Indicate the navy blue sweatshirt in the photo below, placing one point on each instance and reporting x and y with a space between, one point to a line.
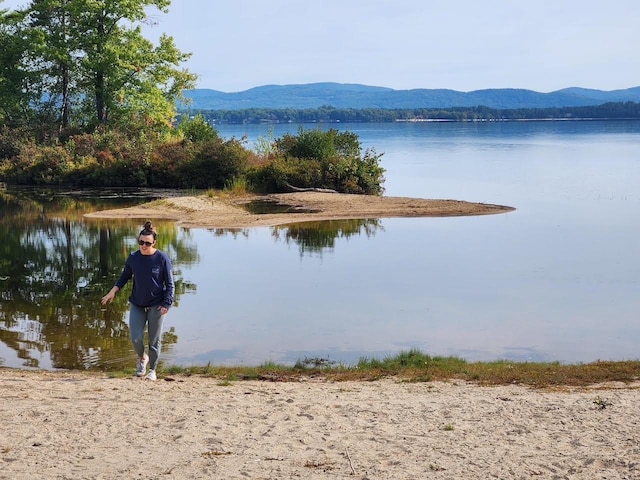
152 279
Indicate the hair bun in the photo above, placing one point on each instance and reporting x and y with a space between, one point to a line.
148 229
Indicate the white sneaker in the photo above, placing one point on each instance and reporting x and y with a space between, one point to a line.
151 376
142 366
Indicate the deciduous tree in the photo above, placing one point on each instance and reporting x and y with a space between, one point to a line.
14 99
88 63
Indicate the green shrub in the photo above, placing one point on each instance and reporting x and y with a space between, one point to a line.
86 173
50 166
198 130
196 158
165 163
271 177
127 172
315 144
9 143
319 159
213 164
82 145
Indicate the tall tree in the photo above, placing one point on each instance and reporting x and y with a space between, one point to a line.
93 65
53 19
14 80
125 75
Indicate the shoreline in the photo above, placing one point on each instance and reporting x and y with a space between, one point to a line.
227 211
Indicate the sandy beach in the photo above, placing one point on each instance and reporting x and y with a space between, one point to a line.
71 425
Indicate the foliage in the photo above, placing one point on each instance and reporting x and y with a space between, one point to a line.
271 177
197 129
201 159
213 164
14 99
319 159
264 145
166 160
86 64
97 102
238 186
10 142
49 165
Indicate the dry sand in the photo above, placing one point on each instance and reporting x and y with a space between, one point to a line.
226 212
66 425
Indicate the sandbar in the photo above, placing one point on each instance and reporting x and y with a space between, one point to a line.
228 211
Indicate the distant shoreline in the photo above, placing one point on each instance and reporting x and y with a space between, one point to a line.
504 120
628 111
440 120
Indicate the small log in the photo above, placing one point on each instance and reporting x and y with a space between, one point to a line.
309 189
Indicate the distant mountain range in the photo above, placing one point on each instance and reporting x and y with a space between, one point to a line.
340 95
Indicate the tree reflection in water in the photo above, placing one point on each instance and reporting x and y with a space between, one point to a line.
314 237
55 267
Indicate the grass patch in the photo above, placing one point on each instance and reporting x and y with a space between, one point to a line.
238 186
416 366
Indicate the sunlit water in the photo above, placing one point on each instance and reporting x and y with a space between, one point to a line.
557 279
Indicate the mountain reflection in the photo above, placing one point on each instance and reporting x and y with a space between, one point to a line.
54 269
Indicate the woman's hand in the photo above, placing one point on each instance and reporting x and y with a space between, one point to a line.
108 298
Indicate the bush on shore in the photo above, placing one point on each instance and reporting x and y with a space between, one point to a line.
192 156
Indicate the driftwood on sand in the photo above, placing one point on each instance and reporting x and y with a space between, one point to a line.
308 189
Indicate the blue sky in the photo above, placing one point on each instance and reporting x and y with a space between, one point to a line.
542 45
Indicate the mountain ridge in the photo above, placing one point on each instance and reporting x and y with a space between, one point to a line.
358 96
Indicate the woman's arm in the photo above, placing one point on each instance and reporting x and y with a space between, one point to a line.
125 276
169 287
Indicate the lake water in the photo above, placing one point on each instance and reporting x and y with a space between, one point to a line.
557 279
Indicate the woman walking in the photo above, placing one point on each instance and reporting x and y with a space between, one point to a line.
150 300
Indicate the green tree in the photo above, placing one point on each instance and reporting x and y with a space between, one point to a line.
125 76
51 22
14 80
86 63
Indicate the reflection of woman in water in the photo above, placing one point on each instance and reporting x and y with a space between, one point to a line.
150 299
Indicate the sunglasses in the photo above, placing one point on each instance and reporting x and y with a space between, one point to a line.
142 242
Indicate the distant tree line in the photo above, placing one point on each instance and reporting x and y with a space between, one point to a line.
328 114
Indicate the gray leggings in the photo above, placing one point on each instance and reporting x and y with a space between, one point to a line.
138 318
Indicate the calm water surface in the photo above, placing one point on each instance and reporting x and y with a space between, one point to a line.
557 279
